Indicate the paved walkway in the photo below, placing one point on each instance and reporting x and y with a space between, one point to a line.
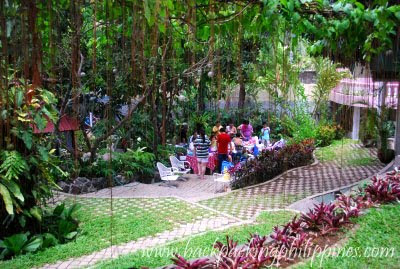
192 189
183 230
229 209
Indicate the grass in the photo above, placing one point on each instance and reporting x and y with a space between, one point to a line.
132 219
198 246
375 244
239 203
343 152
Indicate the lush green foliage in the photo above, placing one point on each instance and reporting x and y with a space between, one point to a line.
181 57
27 166
19 244
61 223
328 78
300 125
58 227
326 133
13 166
132 162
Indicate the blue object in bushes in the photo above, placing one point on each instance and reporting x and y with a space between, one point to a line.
226 165
255 151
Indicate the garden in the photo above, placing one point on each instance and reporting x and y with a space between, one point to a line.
199 134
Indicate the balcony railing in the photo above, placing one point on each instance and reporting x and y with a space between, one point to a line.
363 92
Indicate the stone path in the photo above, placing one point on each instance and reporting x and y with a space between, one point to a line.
193 189
293 186
229 209
181 231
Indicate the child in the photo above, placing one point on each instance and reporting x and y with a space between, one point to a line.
213 147
265 134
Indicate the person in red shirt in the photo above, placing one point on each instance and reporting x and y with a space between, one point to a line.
223 144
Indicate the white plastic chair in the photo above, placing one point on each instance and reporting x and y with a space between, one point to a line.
166 173
178 167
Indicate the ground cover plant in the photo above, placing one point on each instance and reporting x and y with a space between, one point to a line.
374 244
300 234
132 219
200 245
272 163
342 152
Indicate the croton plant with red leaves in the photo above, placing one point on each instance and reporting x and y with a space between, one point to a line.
323 219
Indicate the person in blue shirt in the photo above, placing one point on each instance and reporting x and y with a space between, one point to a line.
265 131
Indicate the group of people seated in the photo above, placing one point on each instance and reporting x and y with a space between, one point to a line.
232 144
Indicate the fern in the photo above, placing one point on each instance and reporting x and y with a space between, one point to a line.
13 165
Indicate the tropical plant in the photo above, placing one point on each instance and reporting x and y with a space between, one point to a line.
325 134
18 244
138 163
301 233
368 131
27 166
299 125
13 166
61 224
181 263
383 128
327 78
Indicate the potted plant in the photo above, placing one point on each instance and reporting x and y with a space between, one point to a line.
368 129
385 155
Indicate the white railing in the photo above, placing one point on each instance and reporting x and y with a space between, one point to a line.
363 92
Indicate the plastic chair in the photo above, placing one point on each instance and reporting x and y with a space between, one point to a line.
178 167
166 173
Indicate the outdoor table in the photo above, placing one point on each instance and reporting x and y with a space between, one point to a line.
212 160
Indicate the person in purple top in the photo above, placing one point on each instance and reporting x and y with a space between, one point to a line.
246 130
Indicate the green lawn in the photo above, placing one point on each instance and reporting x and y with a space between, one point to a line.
131 219
198 246
378 234
343 152
239 202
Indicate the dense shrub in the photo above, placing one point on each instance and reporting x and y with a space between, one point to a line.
27 166
132 162
340 132
299 125
58 226
325 134
272 163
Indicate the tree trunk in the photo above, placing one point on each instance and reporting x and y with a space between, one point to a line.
94 47
3 77
36 48
133 48
164 85
242 88
154 86
75 60
75 43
